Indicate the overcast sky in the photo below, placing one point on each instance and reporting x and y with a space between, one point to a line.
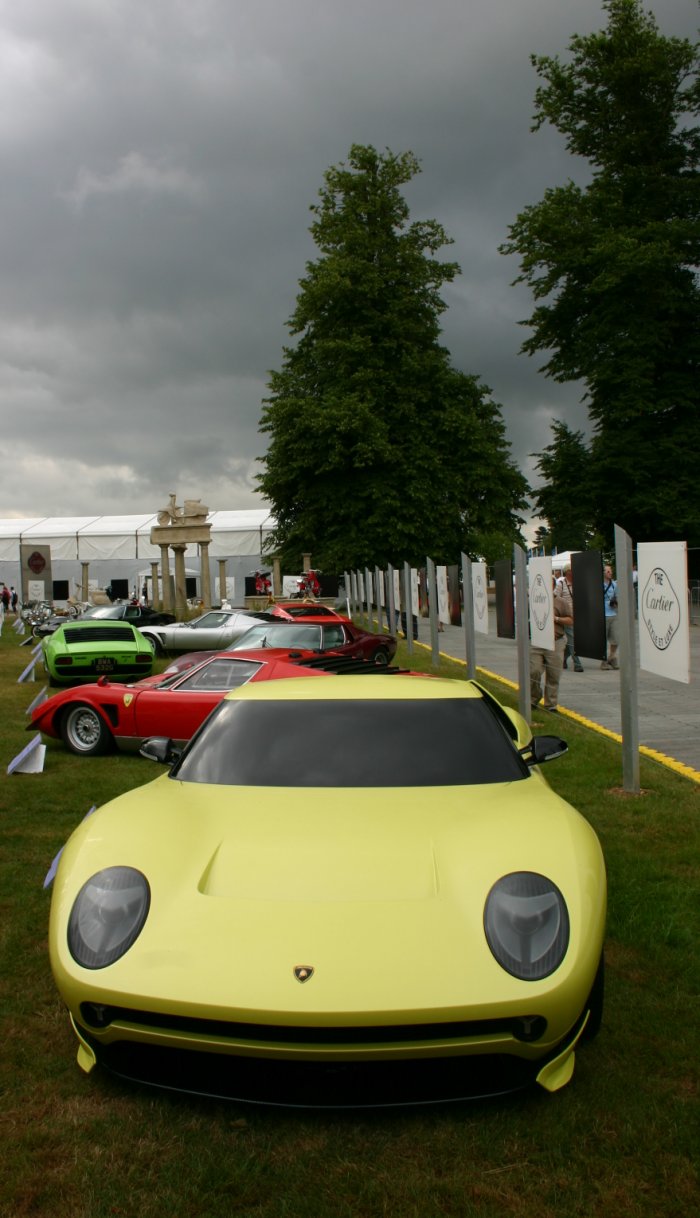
158 159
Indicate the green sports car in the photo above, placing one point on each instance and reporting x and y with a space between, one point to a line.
88 650
349 892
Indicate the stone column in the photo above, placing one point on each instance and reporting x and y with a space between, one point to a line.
165 572
155 598
222 580
205 572
180 580
306 562
178 537
84 586
276 576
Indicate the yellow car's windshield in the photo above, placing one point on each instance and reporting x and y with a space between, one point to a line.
353 743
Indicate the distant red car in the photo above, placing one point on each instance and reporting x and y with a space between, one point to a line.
92 719
334 635
293 610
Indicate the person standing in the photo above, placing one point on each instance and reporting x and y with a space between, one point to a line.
610 603
550 663
565 589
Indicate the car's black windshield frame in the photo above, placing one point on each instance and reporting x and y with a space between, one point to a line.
351 743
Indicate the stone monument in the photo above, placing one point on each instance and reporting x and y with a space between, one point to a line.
177 528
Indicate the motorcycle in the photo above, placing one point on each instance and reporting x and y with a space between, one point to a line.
309 587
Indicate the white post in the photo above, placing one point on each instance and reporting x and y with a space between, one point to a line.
522 631
468 617
391 608
408 604
629 711
433 611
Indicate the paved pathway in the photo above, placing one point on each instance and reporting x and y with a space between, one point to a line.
669 711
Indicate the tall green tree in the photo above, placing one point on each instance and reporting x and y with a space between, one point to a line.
379 451
564 499
613 265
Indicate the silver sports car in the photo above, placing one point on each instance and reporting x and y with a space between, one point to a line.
212 631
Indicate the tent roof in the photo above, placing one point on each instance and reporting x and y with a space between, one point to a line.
559 561
251 518
85 538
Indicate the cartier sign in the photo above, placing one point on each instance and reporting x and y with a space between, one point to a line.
664 636
661 611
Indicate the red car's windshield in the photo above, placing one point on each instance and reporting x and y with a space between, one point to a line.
280 634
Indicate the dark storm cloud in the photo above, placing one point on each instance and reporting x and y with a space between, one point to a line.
158 162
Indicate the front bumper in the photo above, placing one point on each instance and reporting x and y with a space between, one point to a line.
89 670
328 1077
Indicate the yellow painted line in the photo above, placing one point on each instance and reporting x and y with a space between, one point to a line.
669 762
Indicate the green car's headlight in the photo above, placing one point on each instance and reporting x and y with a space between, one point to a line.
107 916
527 925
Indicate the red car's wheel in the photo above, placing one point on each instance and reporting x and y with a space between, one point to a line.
381 657
84 732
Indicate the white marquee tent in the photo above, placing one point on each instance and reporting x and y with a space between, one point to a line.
90 538
119 547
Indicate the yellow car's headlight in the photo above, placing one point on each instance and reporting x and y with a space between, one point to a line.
527 925
107 916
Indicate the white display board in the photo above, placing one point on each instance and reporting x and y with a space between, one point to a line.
480 597
380 589
443 596
230 589
290 586
541 595
664 634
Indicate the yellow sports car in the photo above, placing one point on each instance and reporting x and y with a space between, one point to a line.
347 893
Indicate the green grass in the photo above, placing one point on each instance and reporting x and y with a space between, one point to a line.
620 1142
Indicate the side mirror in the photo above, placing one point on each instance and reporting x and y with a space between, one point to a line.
160 748
543 748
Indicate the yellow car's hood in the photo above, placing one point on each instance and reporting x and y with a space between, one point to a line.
380 892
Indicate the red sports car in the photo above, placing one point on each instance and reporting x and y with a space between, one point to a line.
91 719
326 635
291 611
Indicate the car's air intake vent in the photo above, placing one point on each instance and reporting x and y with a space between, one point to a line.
99 634
101 1016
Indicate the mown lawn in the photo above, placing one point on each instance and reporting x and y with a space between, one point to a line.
620 1142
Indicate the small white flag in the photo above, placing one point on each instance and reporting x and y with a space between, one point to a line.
30 760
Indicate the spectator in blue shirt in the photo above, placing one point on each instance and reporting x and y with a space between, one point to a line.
610 602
